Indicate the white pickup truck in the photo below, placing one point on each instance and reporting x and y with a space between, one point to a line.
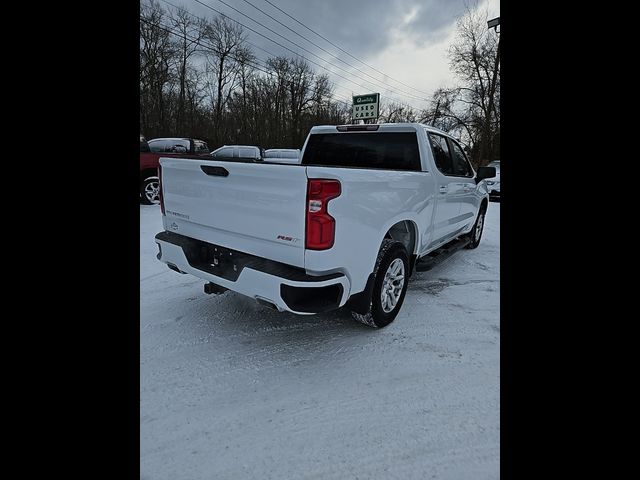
346 226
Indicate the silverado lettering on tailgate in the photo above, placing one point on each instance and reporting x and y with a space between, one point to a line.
176 214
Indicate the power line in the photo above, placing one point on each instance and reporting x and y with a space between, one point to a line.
342 50
319 57
409 94
340 98
288 49
200 18
213 49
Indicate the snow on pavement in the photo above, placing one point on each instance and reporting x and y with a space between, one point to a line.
233 390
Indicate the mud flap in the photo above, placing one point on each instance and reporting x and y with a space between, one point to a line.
360 302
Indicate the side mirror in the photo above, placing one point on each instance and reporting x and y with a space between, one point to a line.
485 172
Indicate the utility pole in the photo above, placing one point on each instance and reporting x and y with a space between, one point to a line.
435 115
494 23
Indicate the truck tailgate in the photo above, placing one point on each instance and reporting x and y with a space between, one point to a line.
252 207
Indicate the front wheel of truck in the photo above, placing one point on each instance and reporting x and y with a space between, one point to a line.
475 234
391 275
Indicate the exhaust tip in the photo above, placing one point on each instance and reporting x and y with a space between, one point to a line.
175 269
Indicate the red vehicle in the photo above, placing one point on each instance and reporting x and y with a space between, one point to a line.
150 153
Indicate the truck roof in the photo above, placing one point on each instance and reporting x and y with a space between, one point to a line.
176 138
241 146
169 138
382 127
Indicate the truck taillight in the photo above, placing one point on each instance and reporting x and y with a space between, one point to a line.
160 189
320 226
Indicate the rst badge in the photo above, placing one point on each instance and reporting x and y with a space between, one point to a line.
286 238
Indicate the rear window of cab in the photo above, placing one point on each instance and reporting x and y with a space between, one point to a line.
379 150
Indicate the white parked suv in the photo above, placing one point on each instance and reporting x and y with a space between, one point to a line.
282 155
493 183
238 153
344 227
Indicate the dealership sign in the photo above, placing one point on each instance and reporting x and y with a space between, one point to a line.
366 106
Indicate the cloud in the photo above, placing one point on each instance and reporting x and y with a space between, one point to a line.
432 20
406 39
360 27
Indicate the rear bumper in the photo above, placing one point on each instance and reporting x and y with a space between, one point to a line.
288 288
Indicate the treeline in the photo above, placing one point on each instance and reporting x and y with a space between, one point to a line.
471 109
200 78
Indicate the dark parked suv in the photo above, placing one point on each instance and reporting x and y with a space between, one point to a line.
179 145
150 153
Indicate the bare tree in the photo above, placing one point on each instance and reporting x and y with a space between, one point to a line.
225 39
190 32
321 94
443 114
280 69
300 80
156 55
394 112
246 73
198 78
475 59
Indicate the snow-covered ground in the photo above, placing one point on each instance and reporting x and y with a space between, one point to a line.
232 390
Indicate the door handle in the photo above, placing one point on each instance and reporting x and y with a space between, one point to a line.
214 171
443 189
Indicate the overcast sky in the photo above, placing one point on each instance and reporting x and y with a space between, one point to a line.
405 39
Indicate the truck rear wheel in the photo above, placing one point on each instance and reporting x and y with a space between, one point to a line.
391 275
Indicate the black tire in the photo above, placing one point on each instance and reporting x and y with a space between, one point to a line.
376 316
147 188
475 234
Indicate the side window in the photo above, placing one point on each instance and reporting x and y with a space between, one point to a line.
461 165
441 153
178 146
226 152
247 153
200 147
157 145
